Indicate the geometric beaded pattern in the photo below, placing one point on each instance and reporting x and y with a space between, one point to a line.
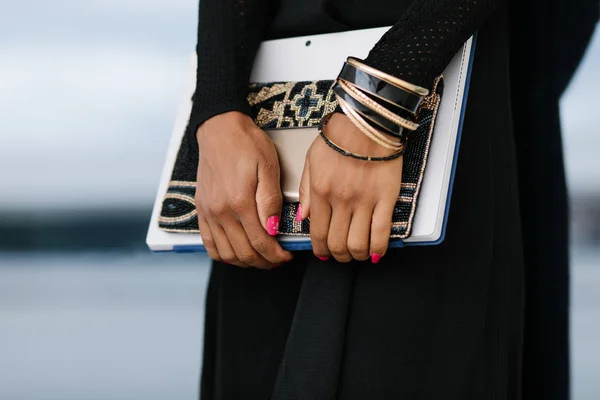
291 104
302 104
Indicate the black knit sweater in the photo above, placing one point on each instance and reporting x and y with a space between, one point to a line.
417 48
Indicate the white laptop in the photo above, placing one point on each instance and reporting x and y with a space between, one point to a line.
279 61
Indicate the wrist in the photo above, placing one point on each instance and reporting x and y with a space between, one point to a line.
229 119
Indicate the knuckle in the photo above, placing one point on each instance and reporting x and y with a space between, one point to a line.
321 188
260 245
337 248
201 207
218 208
360 251
208 242
239 203
345 194
247 258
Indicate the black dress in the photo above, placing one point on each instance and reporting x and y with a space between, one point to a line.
441 322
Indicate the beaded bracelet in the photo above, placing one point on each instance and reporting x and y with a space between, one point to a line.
346 153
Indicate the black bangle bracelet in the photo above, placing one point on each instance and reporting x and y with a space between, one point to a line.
381 89
400 112
372 117
366 101
323 124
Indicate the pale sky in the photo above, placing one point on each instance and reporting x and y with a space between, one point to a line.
89 91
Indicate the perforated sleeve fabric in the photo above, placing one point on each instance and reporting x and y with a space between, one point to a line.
229 34
417 48
422 43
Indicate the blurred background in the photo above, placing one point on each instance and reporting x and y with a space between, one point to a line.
88 95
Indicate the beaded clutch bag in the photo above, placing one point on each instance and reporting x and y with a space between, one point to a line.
290 105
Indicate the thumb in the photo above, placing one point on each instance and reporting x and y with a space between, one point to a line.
268 197
304 206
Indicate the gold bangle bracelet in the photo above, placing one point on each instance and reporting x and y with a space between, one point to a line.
392 80
367 129
354 85
362 98
348 109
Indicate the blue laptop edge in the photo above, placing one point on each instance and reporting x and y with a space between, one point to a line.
456 149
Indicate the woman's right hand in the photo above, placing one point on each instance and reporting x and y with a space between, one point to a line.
238 193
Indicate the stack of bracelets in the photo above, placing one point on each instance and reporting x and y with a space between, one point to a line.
376 102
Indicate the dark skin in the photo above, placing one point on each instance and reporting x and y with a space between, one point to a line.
350 202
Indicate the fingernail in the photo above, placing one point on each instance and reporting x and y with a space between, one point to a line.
299 213
322 258
273 225
375 258
225 262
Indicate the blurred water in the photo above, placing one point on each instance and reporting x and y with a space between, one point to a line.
585 323
97 327
79 327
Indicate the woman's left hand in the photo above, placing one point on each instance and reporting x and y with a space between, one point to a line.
350 201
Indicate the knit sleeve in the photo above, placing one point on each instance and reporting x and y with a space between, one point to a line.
229 34
421 44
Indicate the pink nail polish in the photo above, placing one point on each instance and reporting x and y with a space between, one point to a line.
273 225
299 213
322 258
375 258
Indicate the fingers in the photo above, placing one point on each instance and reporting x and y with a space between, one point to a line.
337 239
304 206
319 225
235 235
244 252
238 194
207 239
268 196
263 243
261 216
223 244
359 235
381 227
